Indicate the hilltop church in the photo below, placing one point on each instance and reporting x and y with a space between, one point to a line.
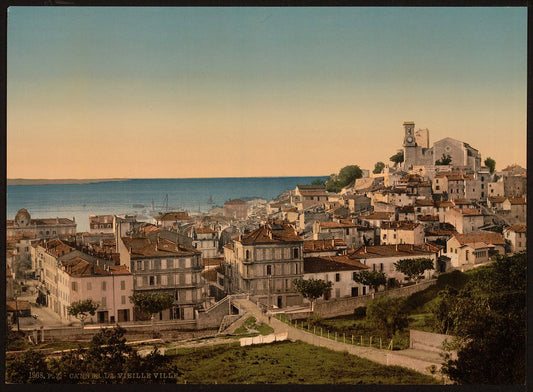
416 150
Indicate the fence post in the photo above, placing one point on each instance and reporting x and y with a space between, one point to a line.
352 338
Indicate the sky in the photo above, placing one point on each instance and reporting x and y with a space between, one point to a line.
124 92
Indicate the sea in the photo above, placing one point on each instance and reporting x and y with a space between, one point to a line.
142 197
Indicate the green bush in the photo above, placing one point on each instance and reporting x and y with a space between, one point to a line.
359 312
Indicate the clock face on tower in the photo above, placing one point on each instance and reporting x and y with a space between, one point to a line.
409 139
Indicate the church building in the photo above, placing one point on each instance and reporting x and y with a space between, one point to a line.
416 150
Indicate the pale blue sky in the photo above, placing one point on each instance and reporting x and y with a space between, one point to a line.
257 91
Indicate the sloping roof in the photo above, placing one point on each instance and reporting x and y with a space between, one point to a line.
313 192
336 225
201 230
486 237
401 250
271 232
400 225
406 209
424 203
119 270
331 264
380 215
173 216
323 245
516 228
497 199
144 247
428 218
81 267
517 201
441 204
311 186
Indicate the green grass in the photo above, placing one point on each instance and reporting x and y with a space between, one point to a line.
251 327
286 363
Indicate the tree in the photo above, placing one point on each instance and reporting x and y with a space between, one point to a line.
152 303
108 359
82 309
446 159
488 319
414 268
387 314
29 368
397 158
374 279
378 167
346 175
491 164
312 288
318 182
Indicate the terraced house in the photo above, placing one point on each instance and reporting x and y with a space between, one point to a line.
265 262
162 265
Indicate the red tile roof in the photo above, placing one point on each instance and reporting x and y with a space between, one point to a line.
401 250
380 215
424 203
337 225
428 218
486 237
517 228
173 216
331 264
144 247
496 199
272 232
235 202
517 201
323 245
400 225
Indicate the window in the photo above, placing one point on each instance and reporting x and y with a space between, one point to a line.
337 277
269 269
139 265
164 280
123 285
296 254
247 254
384 236
74 286
347 231
170 263
373 267
152 280
139 281
123 299
380 267
104 286
437 187
89 286
466 254
104 302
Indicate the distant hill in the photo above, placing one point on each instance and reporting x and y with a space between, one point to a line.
70 181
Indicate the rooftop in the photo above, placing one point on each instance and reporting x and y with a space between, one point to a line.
401 250
331 264
480 236
173 216
271 232
161 247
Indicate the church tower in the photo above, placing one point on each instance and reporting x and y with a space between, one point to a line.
410 148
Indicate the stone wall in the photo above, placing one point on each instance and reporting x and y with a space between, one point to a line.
345 306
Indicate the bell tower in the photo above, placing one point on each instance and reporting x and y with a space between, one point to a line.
409 134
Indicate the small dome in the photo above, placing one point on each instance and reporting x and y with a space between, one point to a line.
23 218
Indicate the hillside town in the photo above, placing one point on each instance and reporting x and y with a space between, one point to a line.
439 202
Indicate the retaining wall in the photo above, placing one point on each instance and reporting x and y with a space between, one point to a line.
345 306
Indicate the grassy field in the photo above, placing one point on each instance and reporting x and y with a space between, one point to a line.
286 363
